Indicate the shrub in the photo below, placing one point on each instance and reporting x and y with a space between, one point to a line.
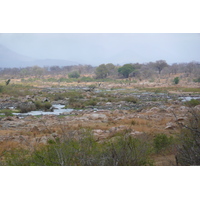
85 151
176 80
192 103
131 99
7 112
47 105
75 103
128 151
188 149
74 74
86 79
161 142
91 102
26 107
197 80
43 105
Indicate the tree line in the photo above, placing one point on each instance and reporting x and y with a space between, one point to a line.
140 71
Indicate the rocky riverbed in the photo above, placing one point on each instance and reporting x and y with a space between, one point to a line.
104 113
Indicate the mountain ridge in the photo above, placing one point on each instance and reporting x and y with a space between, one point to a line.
11 59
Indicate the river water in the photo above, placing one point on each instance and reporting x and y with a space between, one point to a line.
59 109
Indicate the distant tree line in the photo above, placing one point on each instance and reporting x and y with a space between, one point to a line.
149 70
140 71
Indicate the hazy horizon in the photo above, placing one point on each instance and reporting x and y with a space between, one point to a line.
98 48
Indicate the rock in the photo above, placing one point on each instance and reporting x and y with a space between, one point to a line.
197 107
97 131
45 99
113 129
170 109
154 109
28 97
170 125
181 119
35 130
55 135
99 134
133 133
8 119
183 109
82 118
96 116
43 140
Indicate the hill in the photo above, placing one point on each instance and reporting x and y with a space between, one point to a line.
9 58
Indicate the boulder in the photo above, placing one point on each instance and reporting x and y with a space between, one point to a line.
43 140
95 116
183 109
170 125
197 107
154 109
109 104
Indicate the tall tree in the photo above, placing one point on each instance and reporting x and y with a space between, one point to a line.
101 71
125 70
160 65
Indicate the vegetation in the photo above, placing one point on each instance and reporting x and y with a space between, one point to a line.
192 103
74 74
38 105
124 132
197 80
7 112
176 80
126 70
162 142
101 72
85 151
160 65
188 149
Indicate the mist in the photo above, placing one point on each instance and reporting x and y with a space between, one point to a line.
98 48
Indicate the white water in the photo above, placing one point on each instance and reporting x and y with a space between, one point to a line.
188 98
59 109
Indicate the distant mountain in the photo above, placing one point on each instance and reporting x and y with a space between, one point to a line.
9 58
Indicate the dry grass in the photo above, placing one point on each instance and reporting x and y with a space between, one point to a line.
165 160
7 146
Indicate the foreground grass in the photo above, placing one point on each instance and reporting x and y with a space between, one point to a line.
122 150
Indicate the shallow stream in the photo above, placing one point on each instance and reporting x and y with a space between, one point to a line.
58 109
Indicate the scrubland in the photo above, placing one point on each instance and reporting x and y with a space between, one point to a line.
112 122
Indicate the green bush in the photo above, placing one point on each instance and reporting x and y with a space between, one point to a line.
86 79
188 148
84 151
7 112
176 80
26 107
91 102
197 80
130 99
161 142
75 103
74 74
192 103
43 105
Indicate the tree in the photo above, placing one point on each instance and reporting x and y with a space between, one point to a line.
111 69
74 74
125 70
160 65
7 82
101 71
188 149
176 80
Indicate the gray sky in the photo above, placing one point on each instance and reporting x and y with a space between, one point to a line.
98 48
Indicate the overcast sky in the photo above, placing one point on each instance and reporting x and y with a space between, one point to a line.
98 48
